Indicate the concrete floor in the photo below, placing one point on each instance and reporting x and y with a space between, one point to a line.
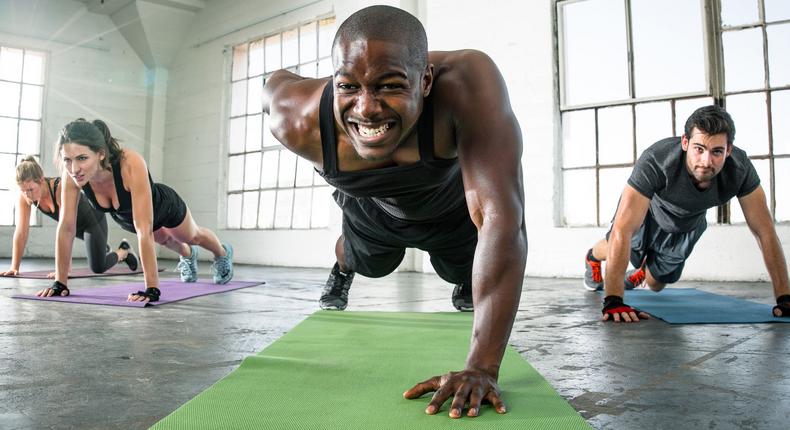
68 366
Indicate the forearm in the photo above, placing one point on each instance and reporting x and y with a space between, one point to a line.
18 249
145 238
63 247
775 263
616 263
498 275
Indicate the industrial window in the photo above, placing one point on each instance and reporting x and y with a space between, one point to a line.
632 71
21 102
269 187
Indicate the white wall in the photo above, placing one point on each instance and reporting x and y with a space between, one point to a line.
91 72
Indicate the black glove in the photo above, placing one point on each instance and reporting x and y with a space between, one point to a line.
614 305
783 304
58 288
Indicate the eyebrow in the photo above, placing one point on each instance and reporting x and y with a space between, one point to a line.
711 149
388 75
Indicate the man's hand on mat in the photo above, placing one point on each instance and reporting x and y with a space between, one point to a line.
469 386
782 308
617 311
10 272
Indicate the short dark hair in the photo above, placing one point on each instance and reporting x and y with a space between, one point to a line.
711 120
389 24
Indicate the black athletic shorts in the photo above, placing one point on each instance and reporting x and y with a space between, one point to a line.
169 211
664 253
375 242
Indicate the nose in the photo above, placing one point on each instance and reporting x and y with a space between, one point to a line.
367 105
705 158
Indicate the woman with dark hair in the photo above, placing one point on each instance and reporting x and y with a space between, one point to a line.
117 181
91 225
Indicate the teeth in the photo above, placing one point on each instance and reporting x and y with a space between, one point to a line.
370 132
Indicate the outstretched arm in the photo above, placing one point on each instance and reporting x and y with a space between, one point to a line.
67 229
20 236
758 217
134 172
489 147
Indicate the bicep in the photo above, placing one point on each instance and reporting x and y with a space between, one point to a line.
631 210
755 210
69 198
136 176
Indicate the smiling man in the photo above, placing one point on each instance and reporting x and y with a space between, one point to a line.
425 152
661 214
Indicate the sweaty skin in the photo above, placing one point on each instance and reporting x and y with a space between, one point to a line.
378 100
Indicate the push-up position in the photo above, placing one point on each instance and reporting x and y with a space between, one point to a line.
91 225
425 152
117 181
661 214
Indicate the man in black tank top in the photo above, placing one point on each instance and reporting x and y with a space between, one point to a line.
425 152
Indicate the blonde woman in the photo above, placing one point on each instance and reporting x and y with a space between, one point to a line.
91 225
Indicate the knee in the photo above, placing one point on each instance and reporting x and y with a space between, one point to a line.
97 266
656 285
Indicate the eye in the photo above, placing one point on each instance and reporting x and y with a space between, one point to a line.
392 86
342 86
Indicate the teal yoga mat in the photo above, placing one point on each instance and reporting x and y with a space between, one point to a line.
348 370
692 306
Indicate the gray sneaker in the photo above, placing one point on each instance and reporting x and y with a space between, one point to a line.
188 266
634 279
222 268
462 297
593 278
335 294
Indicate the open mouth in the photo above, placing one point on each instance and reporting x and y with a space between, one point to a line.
371 132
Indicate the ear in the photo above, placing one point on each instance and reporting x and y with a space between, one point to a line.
729 150
427 80
684 143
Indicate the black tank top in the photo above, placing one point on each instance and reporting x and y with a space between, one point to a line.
123 215
423 191
86 215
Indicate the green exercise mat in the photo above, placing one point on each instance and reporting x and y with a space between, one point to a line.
348 370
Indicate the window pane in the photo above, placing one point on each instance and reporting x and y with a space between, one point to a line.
684 109
11 64
579 197
743 60
9 99
749 113
268 138
325 68
321 201
776 10
302 200
266 211
668 42
252 171
7 179
250 210
736 213
235 173
29 137
8 134
253 140
238 98
782 172
304 172
578 138
273 53
31 101
326 33
282 214
256 58
234 211
615 135
269 169
739 12
287 171
239 68
592 74
254 95
780 112
778 58
290 48
237 135
653 123
309 70
7 201
308 43
34 68
612 184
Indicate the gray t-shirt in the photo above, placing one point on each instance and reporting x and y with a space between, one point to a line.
676 204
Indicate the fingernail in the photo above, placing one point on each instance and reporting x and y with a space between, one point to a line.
430 410
455 413
472 412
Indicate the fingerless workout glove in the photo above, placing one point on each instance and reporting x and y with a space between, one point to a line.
783 304
614 305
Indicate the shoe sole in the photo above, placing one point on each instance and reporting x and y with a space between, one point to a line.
588 288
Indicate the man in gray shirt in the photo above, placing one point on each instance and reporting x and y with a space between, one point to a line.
661 213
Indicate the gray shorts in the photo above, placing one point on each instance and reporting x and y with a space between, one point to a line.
664 253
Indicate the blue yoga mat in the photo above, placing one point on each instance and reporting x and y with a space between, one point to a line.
692 306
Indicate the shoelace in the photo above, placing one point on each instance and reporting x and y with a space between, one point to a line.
637 277
184 266
338 285
596 270
221 266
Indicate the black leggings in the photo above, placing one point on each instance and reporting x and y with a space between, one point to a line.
100 258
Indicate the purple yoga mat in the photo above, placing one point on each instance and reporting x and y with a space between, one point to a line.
115 295
85 272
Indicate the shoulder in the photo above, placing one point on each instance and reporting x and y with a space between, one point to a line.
133 166
292 103
662 152
466 76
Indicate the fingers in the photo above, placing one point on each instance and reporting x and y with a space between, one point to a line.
626 317
51 275
421 388
136 298
439 397
459 400
496 401
475 399
644 315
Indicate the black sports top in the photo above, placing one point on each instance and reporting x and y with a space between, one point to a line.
86 215
423 191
